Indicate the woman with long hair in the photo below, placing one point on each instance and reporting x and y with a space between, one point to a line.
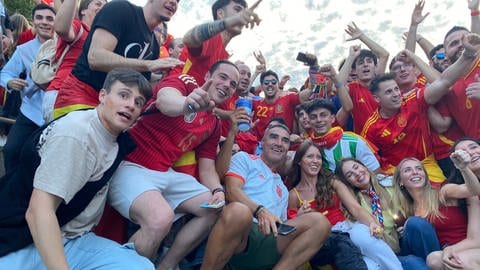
373 196
415 197
317 189
466 253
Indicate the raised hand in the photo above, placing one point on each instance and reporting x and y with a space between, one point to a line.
246 17
329 72
460 159
353 31
199 100
354 51
471 43
260 58
417 16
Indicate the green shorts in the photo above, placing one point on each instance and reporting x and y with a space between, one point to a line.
261 252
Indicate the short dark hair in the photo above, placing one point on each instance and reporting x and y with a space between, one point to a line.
42 6
477 141
301 107
373 87
218 63
219 4
320 103
268 73
278 119
454 29
433 51
128 77
364 54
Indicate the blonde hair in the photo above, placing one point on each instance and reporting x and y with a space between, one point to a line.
19 24
404 202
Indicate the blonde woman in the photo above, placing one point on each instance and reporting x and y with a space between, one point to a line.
415 197
373 196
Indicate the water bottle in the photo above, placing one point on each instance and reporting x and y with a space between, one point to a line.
246 104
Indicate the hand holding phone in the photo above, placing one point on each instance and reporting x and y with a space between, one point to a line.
213 205
285 229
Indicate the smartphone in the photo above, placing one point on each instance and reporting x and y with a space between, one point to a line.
285 229
302 57
213 206
23 74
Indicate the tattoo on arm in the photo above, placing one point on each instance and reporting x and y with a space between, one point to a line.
208 30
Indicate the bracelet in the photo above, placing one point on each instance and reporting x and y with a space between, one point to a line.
258 210
475 13
217 190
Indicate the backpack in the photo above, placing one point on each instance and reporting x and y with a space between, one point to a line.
44 66
17 185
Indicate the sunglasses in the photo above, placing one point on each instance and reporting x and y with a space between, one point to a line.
267 82
440 55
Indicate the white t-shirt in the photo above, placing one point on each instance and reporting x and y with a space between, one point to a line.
75 150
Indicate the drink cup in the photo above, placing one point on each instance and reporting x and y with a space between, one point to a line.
246 104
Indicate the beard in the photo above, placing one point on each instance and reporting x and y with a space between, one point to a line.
164 18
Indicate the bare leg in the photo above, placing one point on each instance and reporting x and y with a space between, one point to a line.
233 228
192 233
155 217
296 249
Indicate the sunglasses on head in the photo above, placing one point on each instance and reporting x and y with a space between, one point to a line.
267 82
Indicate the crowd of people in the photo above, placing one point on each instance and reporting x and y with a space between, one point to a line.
131 156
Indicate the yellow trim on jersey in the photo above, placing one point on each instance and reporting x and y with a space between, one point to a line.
187 158
64 110
372 119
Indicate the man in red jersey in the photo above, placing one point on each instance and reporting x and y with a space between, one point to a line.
205 43
146 190
358 100
462 103
275 104
399 128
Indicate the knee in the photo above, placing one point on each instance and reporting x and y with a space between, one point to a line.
159 221
237 215
317 223
434 260
416 224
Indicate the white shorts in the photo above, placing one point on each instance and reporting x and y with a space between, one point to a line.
48 105
131 180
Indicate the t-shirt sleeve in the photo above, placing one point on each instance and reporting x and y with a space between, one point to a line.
239 166
65 167
366 156
113 17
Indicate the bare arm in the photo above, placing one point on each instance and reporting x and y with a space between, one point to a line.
209 178
171 102
342 90
224 157
454 191
351 203
102 58
63 20
195 37
43 224
417 18
440 87
425 44
440 123
473 5
430 73
378 50
266 220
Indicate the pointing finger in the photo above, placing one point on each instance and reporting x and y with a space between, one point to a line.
255 5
